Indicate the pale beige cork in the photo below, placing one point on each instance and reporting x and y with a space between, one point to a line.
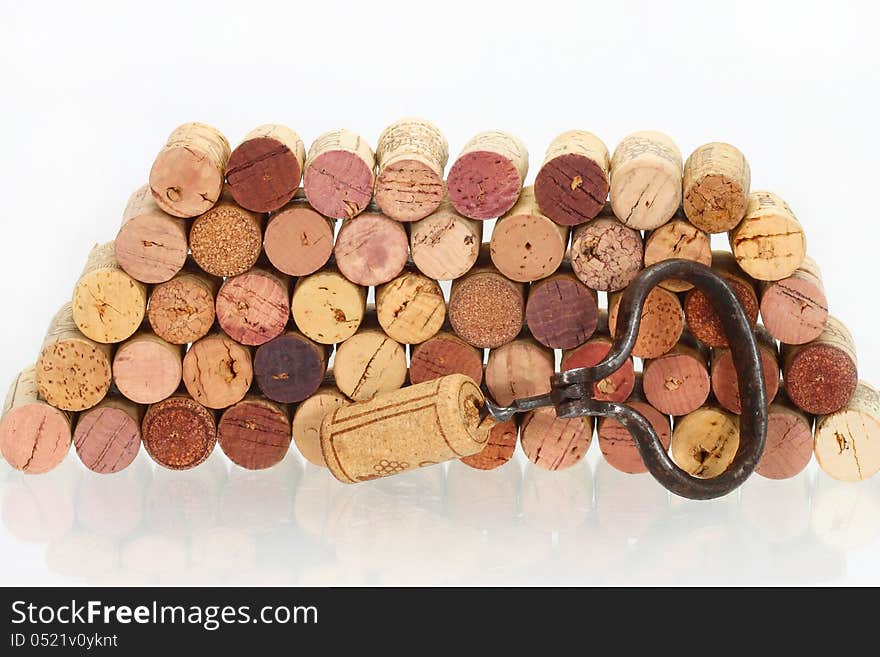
327 307
182 310
847 443
217 371
369 363
519 369
265 169
678 239
108 304
308 418
716 187
187 175
445 245
227 239
410 308
147 369
554 443
645 180
660 326
769 243
411 428
705 441
339 174
795 308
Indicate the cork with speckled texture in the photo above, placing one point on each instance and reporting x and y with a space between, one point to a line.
660 326
308 418
561 312
339 174
716 187
486 309
678 382
677 239
410 308
795 308
789 443
605 254
445 353
725 381
499 448
217 371
254 307
254 433
146 368
769 243
264 170
705 441
445 245
298 240
847 443
554 443
108 436
519 369
369 363
327 307
179 433
227 239
182 310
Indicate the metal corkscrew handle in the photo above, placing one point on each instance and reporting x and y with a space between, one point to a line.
571 391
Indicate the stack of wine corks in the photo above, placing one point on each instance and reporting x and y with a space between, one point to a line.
232 310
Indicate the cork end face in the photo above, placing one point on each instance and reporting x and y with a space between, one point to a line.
298 241
661 324
499 449
571 189
327 307
705 442
705 323
676 384
821 379
486 310
73 375
645 196
263 174
789 445
606 255
618 386
619 448
794 310
847 445
444 355
151 248
181 311
306 426
527 247
255 435
409 190
769 248
108 306
338 184
288 369
185 182
253 308
445 246
725 382
371 249
553 443
561 313
368 364
146 372
483 185
107 440
715 203
179 433
34 438
226 241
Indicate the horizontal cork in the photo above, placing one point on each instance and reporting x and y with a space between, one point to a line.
561 312
369 363
108 304
605 254
254 307
227 239
795 308
290 367
678 239
725 382
411 155
406 429
616 387
572 184
264 170
371 249
327 307
73 372
445 245
151 245
677 382
519 369
307 421
821 375
789 443
486 178
499 449
705 441
769 243
147 369
716 187
108 436
661 324
645 180
182 310
847 445
187 175
217 371
486 309
410 308
339 174
553 443
298 240
443 354
254 433
179 433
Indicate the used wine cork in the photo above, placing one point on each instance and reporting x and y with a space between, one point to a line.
705 441
821 375
254 433
410 308
369 363
182 310
486 178
519 369
108 304
227 239
108 436
445 245
307 421
298 240
795 308
290 367
445 353
327 307
187 174
677 239
411 154
179 433
217 371
499 448
645 180
847 442
527 245
554 443
769 243
617 386
605 254
254 307
339 174
661 325
147 369
151 245
677 383
789 443
561 312
406 429
371 249
716 187
572 183
34 436
73 372
264 170
725 382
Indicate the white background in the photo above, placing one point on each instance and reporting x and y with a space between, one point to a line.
90 92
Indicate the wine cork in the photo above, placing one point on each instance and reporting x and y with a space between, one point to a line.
561 312
264 170
73 372
677 239
618 385
406 429
108 304
725 382
572 183
677 383
298 240
147 369
554 443
217 371
254 433
605 254
716 187
34 436
254 307
307 421
151 245
705 441
821 375
339 177
182 310
661 325
327 307
410 308
795 308
486 178
769 243
369 363
411 154
443 354
187 174
371 249
847 444
486 309
519 369
289 368
108 436
527 245
789 443
645 180
179 433
445 245
227 239
499 448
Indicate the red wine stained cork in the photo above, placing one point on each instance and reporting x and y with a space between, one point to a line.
187 174
527 245
661 325
616 387
519 369
645 180
371 249
34 436
411 154
572 183
182 310
605 254
821 376
339 174
147 369
716 187
108 304
486 309
789 444
264 170
179 433
327 307
443 354
499 449
254 307
705 441
677 382
151 245
410 308
369 363
307 420
561 312
847 442
298 240
677 239
217 371
444 244
486 179
554 443
795 308
108 436
725 383
254 433
227 239
769 243
73 372
289 368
